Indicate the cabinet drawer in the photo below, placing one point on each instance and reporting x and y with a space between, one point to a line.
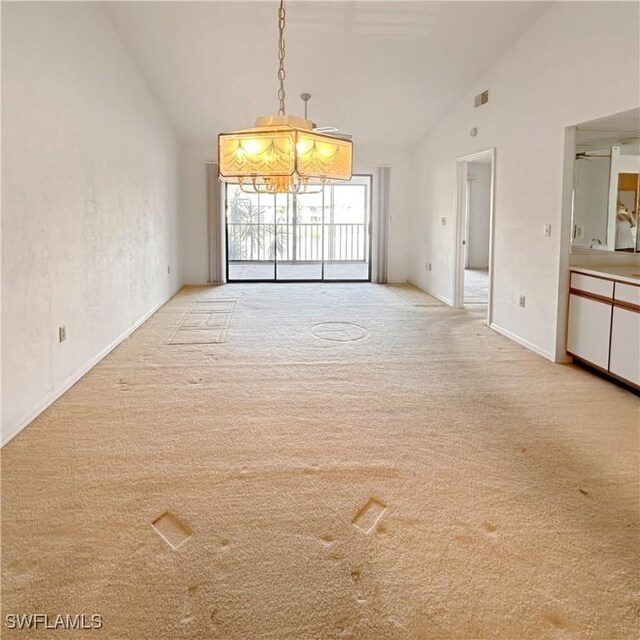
588 284
627 293
625 344
589 330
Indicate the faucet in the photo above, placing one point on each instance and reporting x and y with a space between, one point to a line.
593 241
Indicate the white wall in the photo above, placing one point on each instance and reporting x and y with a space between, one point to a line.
591 199
193 205
89 199
628 163
578 62
479 215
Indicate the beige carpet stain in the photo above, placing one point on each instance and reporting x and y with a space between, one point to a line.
428 480
206 322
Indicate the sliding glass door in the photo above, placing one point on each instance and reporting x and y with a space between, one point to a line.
309 237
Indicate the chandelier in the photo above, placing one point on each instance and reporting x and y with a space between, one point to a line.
281 153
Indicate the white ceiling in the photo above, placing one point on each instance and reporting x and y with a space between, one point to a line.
621 129
384 71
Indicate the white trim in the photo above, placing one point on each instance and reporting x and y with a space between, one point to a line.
522 341
459 203
467 206
432 294
66 384
566 235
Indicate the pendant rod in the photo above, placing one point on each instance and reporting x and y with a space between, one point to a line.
281 56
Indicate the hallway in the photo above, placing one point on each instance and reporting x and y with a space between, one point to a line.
476 286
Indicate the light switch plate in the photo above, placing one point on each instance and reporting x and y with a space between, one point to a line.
547 230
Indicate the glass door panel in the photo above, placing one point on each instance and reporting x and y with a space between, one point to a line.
303 260
251 235
346 230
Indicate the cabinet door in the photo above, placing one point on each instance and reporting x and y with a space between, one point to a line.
625 344
589 330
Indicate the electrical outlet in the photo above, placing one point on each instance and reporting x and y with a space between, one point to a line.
62 333
443 221
547 231
523 300
579 233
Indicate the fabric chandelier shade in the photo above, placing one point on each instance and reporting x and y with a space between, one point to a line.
283 154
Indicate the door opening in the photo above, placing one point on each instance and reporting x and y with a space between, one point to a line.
314 237
474 232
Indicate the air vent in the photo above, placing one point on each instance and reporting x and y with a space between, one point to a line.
481 98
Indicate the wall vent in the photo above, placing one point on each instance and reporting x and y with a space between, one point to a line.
481 98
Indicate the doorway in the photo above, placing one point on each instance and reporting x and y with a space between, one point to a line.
474 232
324 236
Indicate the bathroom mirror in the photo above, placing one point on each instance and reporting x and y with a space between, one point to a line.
606 184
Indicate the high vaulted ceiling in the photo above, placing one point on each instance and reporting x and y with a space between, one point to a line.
384 71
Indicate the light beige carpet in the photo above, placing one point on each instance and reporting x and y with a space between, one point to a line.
326 461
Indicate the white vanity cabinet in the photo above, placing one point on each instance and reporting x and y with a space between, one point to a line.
603 327
589 330
625 345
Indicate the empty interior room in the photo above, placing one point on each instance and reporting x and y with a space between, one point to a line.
320 320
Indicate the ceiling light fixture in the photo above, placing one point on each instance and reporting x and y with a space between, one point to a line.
281 153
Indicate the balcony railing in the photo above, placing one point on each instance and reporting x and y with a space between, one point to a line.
301 242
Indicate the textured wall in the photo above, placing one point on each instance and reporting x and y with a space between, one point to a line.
89 198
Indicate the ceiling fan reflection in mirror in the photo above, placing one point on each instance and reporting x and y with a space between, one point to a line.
588 155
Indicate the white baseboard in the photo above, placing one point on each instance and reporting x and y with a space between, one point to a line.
432 294
522 341
66 384
498 328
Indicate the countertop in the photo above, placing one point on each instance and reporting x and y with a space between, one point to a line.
627 273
